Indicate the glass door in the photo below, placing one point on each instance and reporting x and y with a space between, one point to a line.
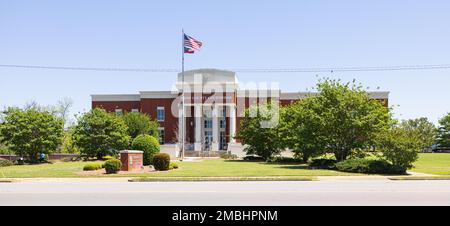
223 141
208 140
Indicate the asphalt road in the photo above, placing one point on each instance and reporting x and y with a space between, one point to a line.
328 192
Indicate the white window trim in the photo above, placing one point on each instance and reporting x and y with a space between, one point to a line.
157 110
119 111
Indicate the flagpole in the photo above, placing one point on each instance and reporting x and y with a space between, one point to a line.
182 97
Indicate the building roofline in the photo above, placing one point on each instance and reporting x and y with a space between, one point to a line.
158 94
116 97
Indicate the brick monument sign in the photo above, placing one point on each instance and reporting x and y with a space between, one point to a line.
132 160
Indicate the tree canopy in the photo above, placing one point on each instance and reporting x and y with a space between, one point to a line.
422 130
140 124
31 132
444 131
99 133
344 117
260 131
300 129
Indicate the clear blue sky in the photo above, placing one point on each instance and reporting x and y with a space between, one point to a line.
236 34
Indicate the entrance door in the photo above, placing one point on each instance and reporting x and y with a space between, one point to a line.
208 140
223 141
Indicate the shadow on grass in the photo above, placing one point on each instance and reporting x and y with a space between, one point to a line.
287 165
292 166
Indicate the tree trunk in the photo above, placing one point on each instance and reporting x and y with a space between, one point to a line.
305 158
99 156
341 155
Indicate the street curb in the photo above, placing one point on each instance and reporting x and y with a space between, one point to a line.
219 179
423 178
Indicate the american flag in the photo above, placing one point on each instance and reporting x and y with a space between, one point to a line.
191 44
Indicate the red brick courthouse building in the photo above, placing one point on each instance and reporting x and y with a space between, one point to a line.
214 102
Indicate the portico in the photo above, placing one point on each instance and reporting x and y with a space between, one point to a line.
210 110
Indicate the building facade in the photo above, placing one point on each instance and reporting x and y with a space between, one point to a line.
214 103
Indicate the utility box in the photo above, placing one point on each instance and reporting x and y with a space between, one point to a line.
132 160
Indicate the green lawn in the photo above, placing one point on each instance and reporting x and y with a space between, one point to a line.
206 168
438 164
223 168
63 169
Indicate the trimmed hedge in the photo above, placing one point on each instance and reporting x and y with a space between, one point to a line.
148 144
92 167
5 163
329 164
368 166
161 162
112 166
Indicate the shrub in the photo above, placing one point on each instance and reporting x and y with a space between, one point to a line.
229 156
112 166
285 160
323 164
93 166
369 166
148 144
4 163
400 148
161 161
173 165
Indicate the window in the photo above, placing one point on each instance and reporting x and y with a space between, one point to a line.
119 112
223 123
160 114
135 110
208 124
162 135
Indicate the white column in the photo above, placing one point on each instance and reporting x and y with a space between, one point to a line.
198 113
215 128
232 124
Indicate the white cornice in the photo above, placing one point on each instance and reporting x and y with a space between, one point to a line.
116 97
158 94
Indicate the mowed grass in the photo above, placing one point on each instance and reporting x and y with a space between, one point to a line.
205 168
224 168
433 163
438 164
55 170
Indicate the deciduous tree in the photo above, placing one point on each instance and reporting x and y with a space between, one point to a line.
99 133
31 132
139 124
345 117
422 130
444 131
260 131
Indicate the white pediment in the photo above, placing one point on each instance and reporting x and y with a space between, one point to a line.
208 76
